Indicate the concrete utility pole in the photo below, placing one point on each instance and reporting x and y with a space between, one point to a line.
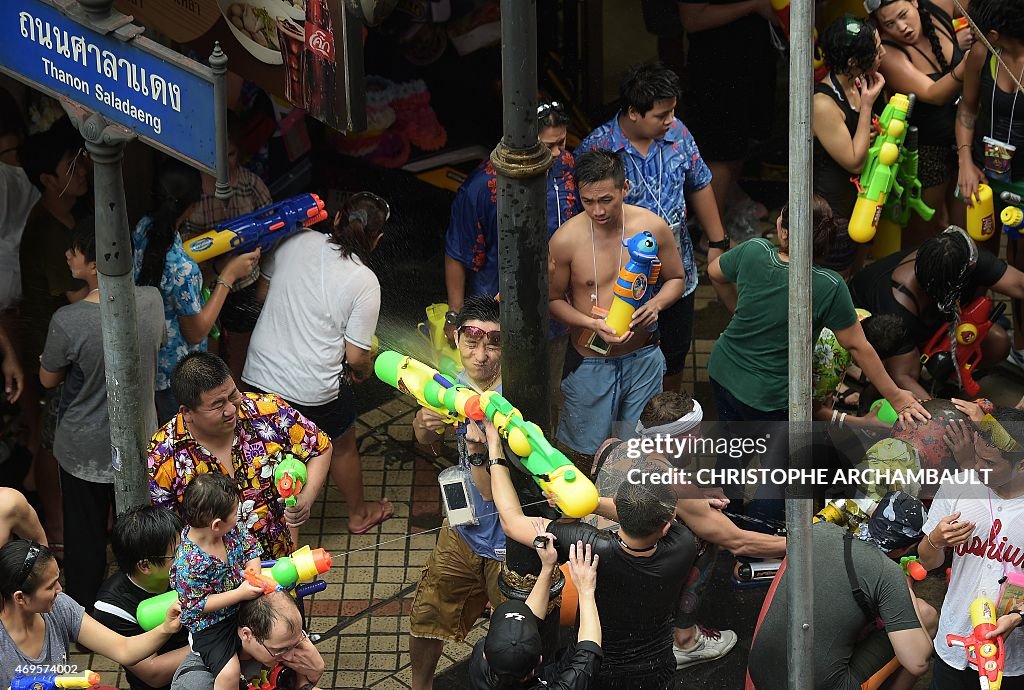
521 162
799 507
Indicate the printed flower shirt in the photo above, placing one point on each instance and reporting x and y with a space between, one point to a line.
472 237
180 286
660 180
195 575
266 425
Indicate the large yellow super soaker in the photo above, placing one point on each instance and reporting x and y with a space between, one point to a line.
571 490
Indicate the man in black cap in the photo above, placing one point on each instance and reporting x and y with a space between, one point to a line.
510 655
858 584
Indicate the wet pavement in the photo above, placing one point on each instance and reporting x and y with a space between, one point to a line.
363 613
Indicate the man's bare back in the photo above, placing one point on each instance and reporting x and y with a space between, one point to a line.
585 259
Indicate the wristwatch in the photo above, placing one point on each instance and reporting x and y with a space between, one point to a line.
496 461
722 244
477 459
450 317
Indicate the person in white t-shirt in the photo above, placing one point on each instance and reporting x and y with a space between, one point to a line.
315 333
983 522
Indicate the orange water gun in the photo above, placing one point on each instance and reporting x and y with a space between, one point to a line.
987 655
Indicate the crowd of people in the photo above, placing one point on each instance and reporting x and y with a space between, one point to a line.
221 423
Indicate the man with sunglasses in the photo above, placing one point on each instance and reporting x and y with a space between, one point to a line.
983 522
270 629
462 573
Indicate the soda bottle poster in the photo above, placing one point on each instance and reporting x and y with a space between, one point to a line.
308 52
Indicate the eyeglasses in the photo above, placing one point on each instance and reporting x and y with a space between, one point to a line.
544 108
158 559
30 562
71 169
378 201
477 333
278 653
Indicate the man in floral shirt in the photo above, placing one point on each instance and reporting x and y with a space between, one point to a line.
220 429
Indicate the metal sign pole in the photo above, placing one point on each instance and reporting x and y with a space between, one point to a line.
116 86
799 508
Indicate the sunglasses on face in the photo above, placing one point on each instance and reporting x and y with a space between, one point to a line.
477 333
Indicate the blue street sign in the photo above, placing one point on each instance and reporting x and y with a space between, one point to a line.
163 97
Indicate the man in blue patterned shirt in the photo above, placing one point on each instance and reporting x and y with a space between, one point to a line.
665 170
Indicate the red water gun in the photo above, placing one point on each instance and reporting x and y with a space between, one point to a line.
987 655
975 322
912 568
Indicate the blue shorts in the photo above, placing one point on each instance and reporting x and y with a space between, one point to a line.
604 396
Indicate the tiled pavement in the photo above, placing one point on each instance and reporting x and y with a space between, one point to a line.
364 610
370 586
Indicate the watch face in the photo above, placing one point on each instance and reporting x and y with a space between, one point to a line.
477 459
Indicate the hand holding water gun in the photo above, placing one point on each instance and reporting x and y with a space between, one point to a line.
296 573
262 229
880 167
634 285
50 681
572 491
289 478
985 653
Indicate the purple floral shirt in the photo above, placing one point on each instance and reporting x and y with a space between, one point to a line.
660 180
196 575
266 426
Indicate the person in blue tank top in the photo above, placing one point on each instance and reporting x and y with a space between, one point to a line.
462 573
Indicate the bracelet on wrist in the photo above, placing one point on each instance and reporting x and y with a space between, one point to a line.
220 281
931 543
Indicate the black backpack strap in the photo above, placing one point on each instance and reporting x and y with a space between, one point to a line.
858 594
603 457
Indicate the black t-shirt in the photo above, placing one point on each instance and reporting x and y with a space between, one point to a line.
872 289
574 671
116 603
637 596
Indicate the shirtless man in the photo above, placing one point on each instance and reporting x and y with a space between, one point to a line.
610 380
19 518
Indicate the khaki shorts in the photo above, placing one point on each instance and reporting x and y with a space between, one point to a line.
453 590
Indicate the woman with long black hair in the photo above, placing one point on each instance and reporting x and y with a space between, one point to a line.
38 622
315 333
160 261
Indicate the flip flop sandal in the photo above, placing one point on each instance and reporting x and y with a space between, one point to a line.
387 511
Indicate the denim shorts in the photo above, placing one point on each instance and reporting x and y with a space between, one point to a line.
604 396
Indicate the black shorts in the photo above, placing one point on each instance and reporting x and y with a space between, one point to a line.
675 331
217 644
333 418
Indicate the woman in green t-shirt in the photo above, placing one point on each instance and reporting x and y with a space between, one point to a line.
749 364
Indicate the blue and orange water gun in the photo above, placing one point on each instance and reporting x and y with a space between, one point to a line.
635 282
262 229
